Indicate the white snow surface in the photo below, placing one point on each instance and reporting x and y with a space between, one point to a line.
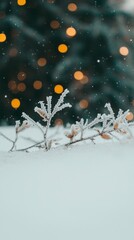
85 192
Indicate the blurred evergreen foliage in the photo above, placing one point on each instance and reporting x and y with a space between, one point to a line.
101 31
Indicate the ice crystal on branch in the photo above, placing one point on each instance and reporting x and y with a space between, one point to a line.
47 112
107 125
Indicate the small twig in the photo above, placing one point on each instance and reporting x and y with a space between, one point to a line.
4 136
32 146
14 143
29 139
114 136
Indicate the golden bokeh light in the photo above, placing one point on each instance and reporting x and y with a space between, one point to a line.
21 87
78 75
72 7
71 32
54 24
21 2
42 62
130 116
58 89
21 76
124 51
83 103
62 48
37 85
12 85
3 37
15 103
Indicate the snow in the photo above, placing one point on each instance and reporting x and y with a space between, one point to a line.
84 192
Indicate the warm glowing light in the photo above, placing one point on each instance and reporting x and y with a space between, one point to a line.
21 2
12 85
54 24
71 32
72 7
130 116
83 103
58 122
124 51
37 85
78 75
84 80
3 37
21 87
58 89
62 48
15 103
42 62
13 52
21 76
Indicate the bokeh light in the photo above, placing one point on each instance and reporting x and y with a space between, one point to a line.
54 24
15 103
78 75
72 7
42 62
84 80
3 37
124 51
71 32
37 85
62 48
21 76
83 103
12 85
21 2
21 87
58 89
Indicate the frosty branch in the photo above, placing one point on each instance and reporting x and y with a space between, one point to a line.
107 126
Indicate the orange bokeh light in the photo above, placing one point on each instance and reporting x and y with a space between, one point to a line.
42 62
72 7
83 103
62 48
3 37
124 51
12 85
58 89
78 75
71 32
21 2
15 103
21 87
21 76
37 85
54 24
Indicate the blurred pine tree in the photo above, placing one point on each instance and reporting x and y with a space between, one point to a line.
85 46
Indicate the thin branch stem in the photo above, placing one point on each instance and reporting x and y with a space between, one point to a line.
4 136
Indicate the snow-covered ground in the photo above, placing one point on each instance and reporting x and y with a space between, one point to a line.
85 192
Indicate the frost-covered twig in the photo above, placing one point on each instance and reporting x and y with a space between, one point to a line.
4 136
46 112
110 126
109 123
